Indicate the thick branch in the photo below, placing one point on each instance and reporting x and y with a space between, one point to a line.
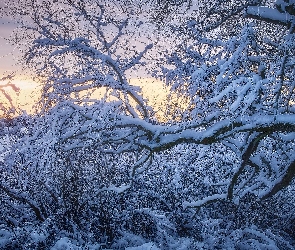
252 146
269 15
157 138
22 199
284 182
205 201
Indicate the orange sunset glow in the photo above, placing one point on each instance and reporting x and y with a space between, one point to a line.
25 98
29 93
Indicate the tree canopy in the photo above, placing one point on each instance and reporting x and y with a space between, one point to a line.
105 172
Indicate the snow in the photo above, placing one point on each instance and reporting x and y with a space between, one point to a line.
270 14
204 201
38 237
4 238
146 246
119 189
288 137
239 104
4 147
66 244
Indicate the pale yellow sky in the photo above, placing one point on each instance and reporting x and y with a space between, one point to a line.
29 93
152 89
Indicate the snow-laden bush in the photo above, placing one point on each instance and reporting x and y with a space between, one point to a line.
80 203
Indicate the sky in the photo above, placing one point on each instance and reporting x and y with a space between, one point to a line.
8 52
9 58
29 90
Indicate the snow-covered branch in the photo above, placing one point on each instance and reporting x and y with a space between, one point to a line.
270 15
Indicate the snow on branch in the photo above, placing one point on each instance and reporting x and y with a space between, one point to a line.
205 201
269 15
